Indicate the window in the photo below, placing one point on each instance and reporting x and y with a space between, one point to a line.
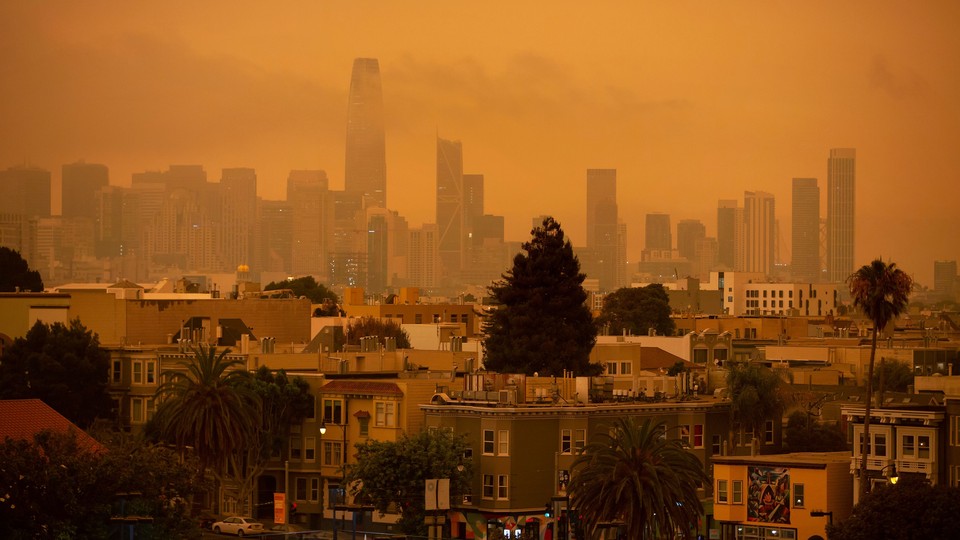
117 372
716 445
296 451
488 486
580 440
738 492
151 372
909 446
700 356
768 432
626 368
332 453
698 435
301 489
141 410
386 414
488 442
502 485
503 443
314 489
611 368
144 372
923 447
798 498
310 449
684 434
860 445
137 372
955 431
333 411
312 411
880 445
722 492
364 426
565 441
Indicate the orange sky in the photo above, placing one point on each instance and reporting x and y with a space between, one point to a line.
691 101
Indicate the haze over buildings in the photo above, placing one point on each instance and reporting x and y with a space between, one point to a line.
139 89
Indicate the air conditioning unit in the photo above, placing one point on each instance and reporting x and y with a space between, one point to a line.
467 499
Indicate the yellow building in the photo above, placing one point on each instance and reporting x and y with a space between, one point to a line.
780 496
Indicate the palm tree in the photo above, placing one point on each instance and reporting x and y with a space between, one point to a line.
635 475
755 395
880 291
207 407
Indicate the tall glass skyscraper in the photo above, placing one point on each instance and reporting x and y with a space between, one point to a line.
366 165
450 205
805 230
841 196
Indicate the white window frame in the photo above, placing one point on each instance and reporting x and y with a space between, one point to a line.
489 442
503 487
332 453
626 368
310 449
314 489
723 494
566 442
799 495
296 448
488 490
503 442
579 440
386 414
736 492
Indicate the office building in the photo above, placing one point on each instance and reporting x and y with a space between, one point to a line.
602 228
238 218
309 199
25 190
759 220
450 215
728 219
805 231
841 199
945 278
366 169
79 185
689 232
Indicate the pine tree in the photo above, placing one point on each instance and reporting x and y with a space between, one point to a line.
541 323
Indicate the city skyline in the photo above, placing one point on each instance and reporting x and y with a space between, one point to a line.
727 101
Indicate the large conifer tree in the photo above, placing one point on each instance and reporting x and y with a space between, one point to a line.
541 323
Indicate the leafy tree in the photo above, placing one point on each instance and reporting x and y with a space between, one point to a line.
284 402
209 407
755 395
880 291
804 434
393 474
635 475
308 287
541 322
55 487
14 272
61 365
636 310
374 326
897 376
910 509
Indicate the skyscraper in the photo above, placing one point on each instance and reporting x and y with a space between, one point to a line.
841 198
658 235
238 218
80 182
805 230
689 232
308 196
759 218
727 210
450 206
366 163
602 229
25 191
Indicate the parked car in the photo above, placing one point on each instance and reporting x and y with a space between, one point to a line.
292 530
240 526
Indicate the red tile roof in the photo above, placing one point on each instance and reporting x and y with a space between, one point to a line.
361 387
21 419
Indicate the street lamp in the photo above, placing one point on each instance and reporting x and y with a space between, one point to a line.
891 474
343 469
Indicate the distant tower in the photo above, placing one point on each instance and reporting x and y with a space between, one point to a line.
727 210
309 198
450 201
25 191
689 232
945 278
238 217
841 198
759 218
805 231
602 227
658 235
80 183
366 164
472 199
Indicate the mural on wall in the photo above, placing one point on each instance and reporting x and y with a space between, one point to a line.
494 526
768 494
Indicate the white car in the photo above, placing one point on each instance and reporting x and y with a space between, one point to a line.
239 526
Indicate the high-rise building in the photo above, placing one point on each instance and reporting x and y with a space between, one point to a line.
727 226
276 235
309 199
658 235
366 164
472 199
945 278
450 215
602 228
423 257
79 185
689 232
238 218
759 218
841 199
805 231
347 258
25 191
